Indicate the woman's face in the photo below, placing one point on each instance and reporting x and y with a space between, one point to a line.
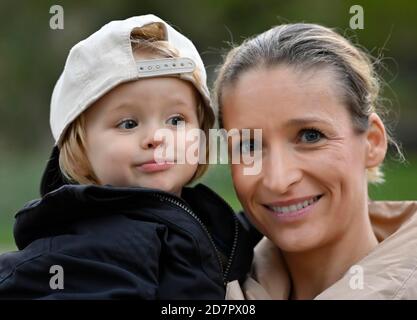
313 178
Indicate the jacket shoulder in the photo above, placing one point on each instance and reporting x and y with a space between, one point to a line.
109 257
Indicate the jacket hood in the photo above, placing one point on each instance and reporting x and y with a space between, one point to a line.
59 209
53 213
389 271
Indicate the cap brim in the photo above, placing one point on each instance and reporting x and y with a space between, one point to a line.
52 177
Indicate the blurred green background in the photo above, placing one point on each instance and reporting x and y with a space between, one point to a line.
32 56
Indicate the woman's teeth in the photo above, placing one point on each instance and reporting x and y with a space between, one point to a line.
294 207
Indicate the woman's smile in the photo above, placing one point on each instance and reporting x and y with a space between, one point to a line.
293 210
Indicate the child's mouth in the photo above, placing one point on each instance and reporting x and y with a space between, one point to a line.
153 166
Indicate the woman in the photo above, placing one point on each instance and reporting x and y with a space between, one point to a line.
315 97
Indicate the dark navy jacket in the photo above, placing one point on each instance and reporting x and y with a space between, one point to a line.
126 243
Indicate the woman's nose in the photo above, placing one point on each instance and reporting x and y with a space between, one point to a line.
281 171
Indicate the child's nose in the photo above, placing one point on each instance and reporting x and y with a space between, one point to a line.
151 143
151 139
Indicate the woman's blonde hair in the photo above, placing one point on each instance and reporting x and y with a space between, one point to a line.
73 160
305 46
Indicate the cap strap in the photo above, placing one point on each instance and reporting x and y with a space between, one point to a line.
159 67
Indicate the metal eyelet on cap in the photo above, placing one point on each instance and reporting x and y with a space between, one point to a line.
165 66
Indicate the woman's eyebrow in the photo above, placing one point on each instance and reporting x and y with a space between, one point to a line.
308 120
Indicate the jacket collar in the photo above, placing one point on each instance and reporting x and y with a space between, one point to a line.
69 203
72 202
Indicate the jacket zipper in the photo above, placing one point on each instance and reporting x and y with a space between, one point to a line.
192 214
235 239
233 251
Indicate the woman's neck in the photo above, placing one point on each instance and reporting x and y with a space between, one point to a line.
314 271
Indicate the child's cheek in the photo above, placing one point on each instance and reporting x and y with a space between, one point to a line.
189 145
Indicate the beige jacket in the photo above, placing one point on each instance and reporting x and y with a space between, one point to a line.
389 271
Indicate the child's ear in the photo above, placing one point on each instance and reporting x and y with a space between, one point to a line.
376 141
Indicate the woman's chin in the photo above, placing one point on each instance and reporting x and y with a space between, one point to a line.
292 241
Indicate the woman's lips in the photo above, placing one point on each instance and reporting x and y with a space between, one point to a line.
153 166
294 210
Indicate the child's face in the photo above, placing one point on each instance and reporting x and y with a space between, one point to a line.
121 127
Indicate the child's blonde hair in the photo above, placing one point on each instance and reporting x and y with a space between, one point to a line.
73 160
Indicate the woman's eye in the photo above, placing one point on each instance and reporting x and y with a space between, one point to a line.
175 121
311 135
128 124
247 146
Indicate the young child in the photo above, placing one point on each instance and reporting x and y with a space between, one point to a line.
114 221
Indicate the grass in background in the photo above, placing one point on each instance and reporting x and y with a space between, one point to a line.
20 176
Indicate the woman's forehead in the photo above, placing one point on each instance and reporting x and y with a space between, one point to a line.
283 94
285 80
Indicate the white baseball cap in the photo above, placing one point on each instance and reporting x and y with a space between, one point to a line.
104 60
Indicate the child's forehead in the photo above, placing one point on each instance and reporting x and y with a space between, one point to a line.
150 95
169 89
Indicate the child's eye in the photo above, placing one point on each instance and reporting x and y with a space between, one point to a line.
127 124
176 120
311 135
